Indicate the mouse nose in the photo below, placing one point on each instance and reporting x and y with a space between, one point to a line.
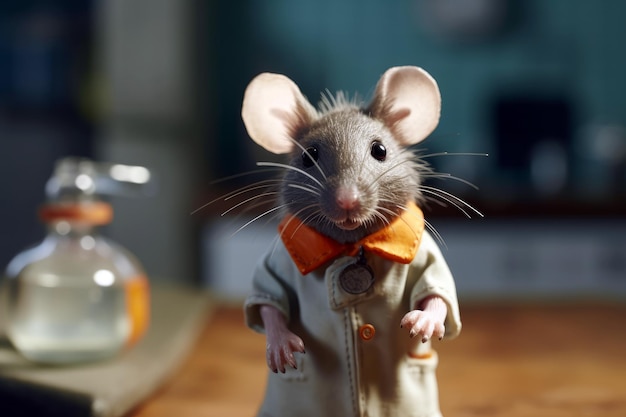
348 198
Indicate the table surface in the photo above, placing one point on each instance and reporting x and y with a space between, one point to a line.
510 360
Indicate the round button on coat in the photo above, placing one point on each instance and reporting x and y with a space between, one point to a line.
367 332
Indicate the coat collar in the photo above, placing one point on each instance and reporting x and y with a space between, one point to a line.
397 242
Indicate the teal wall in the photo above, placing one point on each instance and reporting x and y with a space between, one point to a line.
572 46
573 49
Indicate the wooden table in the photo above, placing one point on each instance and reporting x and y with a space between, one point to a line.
519 360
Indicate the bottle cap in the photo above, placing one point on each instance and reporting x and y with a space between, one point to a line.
96 213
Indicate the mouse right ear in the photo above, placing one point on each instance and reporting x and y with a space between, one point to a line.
275 111
407 101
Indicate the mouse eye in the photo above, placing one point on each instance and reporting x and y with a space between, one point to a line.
379 151
309 156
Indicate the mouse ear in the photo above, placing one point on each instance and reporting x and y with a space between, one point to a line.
408 102
275 111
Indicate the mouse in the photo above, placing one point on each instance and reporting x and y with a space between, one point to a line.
354 290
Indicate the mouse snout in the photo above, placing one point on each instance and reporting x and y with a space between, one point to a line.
347 197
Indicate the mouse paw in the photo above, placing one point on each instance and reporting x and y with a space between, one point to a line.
280 351
424 324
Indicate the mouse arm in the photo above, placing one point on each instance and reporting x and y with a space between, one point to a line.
269 307
281 342
434 306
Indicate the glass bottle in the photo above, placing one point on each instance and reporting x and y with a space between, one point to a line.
76 296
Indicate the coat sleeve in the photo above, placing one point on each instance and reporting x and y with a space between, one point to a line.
272 284
434 278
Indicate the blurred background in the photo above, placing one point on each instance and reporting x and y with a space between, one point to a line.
538 85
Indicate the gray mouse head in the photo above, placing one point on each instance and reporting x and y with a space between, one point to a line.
350 172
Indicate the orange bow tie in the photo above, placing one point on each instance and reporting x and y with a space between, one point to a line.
397 242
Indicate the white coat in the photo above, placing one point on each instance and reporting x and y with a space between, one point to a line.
358 361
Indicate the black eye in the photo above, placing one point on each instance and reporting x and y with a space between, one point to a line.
379 151
309 156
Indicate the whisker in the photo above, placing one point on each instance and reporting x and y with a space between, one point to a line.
239 191
246 201
443 175
448 176
417 218
381 216
294 216
202 207
385 172
304 188
430 199
442 193
392 214
430 228
436 154
255 186
265 213
274 245
250 208
302 221
306 219
243 174
362 165
435 233
452 202
286 166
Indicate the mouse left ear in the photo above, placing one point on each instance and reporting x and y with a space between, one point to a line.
408 102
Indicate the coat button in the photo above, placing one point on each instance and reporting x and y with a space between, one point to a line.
367 332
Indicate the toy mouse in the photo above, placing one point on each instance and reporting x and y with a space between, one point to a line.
354 290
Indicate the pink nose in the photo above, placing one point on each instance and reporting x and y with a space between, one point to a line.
348 198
